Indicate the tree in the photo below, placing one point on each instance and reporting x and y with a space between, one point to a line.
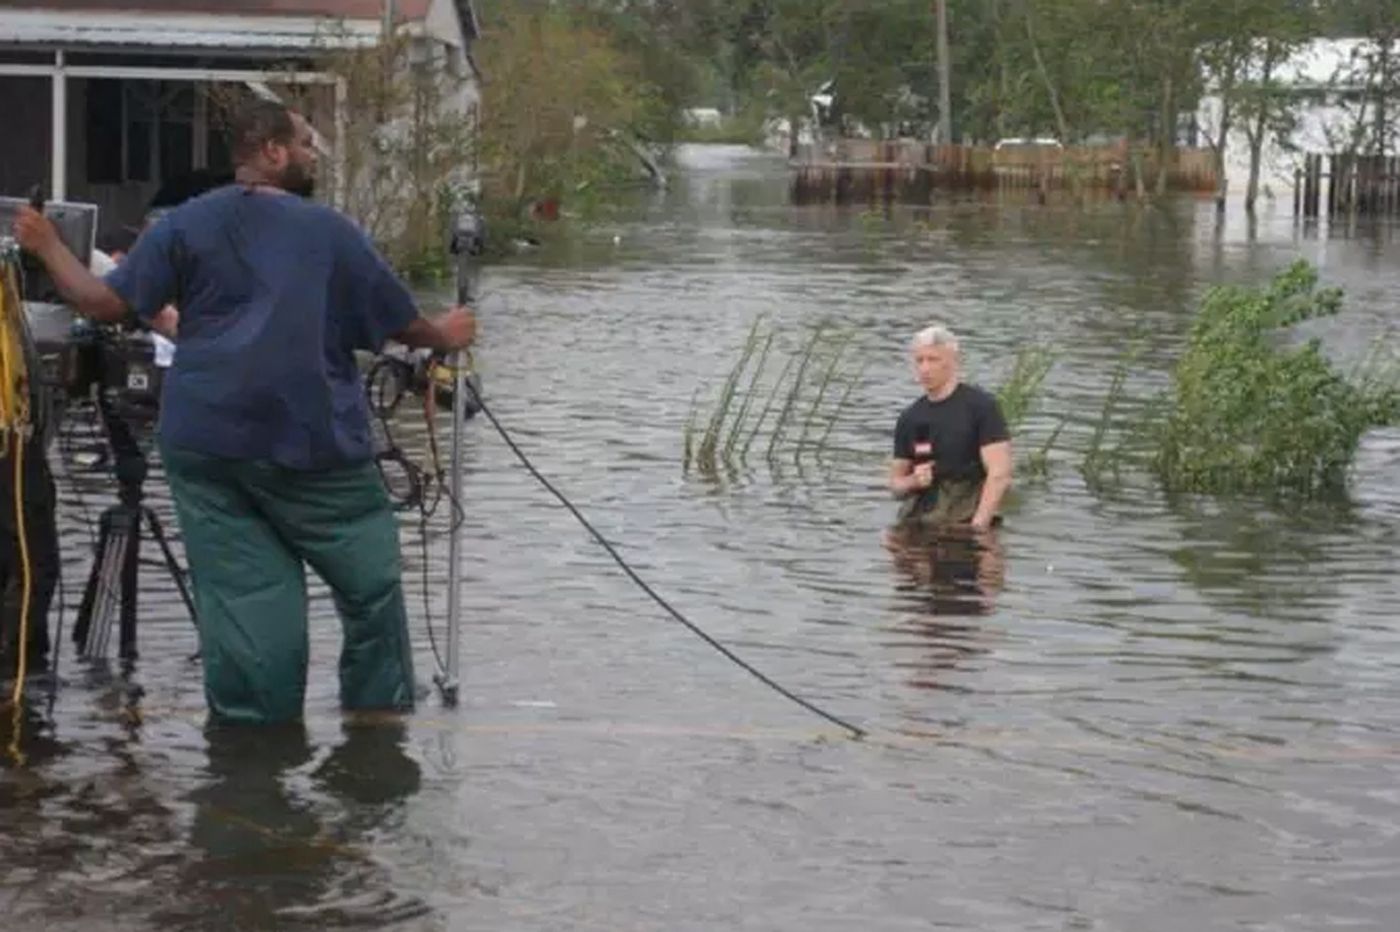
559 97
794 40
1376 68
1235 49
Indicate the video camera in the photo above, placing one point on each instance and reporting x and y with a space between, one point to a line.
115 360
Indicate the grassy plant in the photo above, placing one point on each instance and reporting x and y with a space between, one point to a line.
851 380
1036 464
794 392
1022 387
1095 458
709 443
828 377
752 392
793 410
689 453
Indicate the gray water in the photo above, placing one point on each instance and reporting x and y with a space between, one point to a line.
1133 712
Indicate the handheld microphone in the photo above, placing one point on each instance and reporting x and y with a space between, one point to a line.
923 445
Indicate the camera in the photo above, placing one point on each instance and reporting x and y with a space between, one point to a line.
116 361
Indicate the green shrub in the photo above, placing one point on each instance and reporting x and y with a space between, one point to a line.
1247 414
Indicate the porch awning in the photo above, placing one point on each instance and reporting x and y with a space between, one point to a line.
193 32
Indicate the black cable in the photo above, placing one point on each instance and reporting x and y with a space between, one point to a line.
642 584
65 450
427 601
387 383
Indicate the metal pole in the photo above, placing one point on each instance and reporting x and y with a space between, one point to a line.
58 183
466 244
452 676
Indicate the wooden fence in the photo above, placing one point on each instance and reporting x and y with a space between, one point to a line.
861 169
1356 185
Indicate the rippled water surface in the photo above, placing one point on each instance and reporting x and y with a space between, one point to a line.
1132 712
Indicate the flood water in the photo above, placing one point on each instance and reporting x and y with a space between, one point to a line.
1133 712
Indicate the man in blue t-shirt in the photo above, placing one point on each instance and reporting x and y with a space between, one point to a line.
264 428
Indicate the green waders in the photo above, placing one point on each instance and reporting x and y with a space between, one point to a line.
249 527
953 501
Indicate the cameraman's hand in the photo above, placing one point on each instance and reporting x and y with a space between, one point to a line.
166 322
36 233
457 328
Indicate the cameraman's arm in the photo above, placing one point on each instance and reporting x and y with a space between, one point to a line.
388 311
454 329
87 293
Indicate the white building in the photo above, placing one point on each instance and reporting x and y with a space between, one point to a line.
104 100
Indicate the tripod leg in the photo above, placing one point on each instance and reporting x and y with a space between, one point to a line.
85 608
131 562
176 573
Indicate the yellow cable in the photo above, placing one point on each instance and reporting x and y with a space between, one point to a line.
14 411
22 663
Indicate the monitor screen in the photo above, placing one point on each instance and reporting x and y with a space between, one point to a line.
77 227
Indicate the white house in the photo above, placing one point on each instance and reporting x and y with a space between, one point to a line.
1323 79
103 100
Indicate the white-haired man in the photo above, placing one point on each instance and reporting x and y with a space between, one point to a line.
952 450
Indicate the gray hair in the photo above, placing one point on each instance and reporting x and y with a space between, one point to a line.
937 335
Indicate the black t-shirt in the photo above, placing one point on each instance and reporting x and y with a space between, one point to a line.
951 432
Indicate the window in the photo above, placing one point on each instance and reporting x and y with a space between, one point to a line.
145 131
104 132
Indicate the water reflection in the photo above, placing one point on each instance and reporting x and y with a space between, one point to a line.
267 853
27 738
1192 702
945 579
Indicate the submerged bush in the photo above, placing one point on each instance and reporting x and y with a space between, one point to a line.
1245 413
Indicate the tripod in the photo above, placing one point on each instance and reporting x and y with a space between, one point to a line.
113 582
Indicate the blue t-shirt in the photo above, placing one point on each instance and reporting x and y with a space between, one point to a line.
275 293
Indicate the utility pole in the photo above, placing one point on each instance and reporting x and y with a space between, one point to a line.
945 91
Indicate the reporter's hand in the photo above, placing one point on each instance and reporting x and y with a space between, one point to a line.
923 476
35 232
457 327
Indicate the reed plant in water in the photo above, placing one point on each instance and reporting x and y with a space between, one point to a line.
1017 397
793 413
1021 390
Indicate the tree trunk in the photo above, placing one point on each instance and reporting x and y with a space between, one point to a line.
1257 131
1383 90
1060 123
1222 139
1166 142
1004 71
945 80
1256 152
